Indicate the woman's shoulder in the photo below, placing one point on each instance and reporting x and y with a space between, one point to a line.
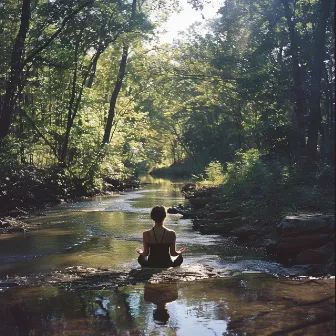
170 231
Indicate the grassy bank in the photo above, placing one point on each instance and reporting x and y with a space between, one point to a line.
268 188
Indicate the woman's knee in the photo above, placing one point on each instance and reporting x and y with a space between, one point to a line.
178 261
143 261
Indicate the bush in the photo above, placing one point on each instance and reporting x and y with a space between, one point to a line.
268 188
214 172
244 166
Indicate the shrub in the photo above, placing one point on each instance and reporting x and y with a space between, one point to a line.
270 187
214 172
244 166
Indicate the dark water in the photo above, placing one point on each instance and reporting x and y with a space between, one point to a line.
246 304
104 232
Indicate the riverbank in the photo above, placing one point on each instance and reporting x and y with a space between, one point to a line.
300 237
27 189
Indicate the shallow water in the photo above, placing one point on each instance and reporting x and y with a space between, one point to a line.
104 232
247 304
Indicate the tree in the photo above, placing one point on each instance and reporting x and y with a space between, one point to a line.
324 11
15 83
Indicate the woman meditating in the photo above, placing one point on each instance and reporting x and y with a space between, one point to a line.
159 243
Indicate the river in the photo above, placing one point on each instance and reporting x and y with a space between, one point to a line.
260 298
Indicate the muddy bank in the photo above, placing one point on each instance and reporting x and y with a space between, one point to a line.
302 238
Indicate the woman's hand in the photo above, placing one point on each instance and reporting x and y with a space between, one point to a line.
183 249
139 251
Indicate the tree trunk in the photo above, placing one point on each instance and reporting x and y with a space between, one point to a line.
317 73
94 69
7 108
118 84
72 100
190 152
297 78
115 94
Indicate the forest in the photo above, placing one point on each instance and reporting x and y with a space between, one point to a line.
229 127
89 95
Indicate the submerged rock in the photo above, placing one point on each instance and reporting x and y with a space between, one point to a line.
173 211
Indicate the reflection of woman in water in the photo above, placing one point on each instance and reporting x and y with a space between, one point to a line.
160 295
159 243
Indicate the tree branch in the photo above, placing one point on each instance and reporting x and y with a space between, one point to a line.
41 134
56 33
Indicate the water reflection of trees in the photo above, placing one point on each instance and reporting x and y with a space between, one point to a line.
49 311
255 304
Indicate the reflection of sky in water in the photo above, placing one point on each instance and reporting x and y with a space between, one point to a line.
187 317
189 320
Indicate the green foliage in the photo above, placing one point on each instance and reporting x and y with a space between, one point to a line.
178 170
214 173
245 166
269 187
210 97
198 177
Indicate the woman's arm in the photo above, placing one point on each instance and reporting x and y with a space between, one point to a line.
173 251
145 250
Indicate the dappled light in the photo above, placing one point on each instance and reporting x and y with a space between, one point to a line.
219 114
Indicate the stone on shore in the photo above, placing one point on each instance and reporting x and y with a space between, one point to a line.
293 245
4 224
199 202
219 226
83 278
297 239
225 214
305 224
307 239
246 232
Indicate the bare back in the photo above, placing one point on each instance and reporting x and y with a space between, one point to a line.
159 236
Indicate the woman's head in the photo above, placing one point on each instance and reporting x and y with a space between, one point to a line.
158 213
161 316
